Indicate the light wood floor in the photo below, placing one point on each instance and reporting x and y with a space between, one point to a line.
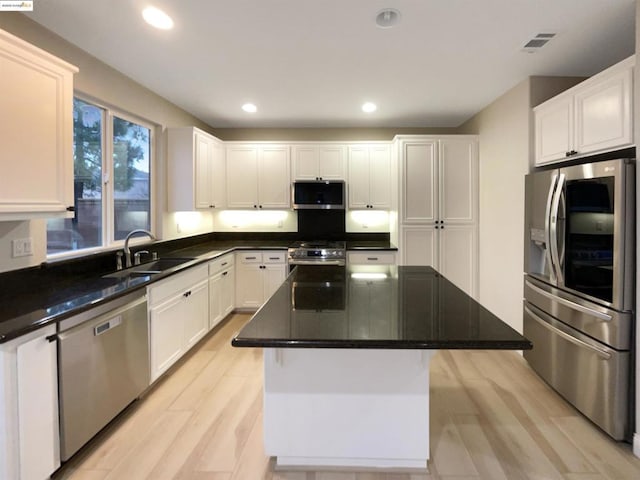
491 418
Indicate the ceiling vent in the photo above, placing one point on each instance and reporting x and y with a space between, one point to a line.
537 42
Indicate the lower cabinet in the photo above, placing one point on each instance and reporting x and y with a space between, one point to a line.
258 276
452 251
178 317
29 435
221 289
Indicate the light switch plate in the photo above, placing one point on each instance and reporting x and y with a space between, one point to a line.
22 247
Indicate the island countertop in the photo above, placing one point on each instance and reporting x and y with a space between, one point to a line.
379 307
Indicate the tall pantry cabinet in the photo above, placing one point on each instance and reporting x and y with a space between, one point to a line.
438 212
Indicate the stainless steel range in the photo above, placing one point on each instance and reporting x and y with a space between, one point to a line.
322 252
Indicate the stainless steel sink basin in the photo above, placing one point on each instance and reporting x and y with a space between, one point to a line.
150 268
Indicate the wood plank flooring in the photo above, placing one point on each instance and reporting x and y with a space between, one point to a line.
491 418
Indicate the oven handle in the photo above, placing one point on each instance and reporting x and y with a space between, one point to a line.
569 303
339 263
570 338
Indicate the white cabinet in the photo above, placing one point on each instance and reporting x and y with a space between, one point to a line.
258 176
369 177
319 162
594 116
178 316
221 288
29 438
195 170
36 132
258 276
439 206
371 257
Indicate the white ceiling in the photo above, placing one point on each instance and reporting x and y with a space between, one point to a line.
312 63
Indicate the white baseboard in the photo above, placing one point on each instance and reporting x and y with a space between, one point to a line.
636 444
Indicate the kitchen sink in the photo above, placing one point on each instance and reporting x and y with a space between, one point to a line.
150 268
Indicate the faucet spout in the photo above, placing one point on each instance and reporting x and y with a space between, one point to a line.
127 251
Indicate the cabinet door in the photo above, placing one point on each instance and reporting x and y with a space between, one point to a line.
167 334
36 174
274 186
216 309
458 172
305 162
603 113
242 176
419 182
358 184
196 313
274 275
459 257
203 169
217 176
420 246
554 129
38 408
331 162
380 177
249 285
228 295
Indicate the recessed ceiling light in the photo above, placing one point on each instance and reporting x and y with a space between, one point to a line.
157 18
387 18
369 107
249 108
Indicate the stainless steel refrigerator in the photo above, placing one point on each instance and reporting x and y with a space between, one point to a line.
579 287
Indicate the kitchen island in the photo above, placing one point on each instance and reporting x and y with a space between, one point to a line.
346 362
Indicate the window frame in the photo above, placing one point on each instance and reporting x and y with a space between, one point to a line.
108 195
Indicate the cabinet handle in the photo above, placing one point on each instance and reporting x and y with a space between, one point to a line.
186 294
567 154
373 259
255 206
223 264
274 258
260 206
71 209
52 338
224 273
250 258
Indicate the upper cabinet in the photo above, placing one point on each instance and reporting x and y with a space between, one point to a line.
258 176
594 116
370 177
36 132
196 170
319 162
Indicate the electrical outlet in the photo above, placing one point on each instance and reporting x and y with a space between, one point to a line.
22 247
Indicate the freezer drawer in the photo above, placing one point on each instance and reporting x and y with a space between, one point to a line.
608 326
590 375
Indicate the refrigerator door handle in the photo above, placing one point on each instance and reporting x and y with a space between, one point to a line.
576 341
569 303
553 229
547 229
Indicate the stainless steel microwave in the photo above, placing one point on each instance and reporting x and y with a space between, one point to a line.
318 194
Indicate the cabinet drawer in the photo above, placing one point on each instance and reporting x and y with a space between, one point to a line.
222 263
273 257
250 257
164 289
372 257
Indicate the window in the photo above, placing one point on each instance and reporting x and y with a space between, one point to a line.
112 156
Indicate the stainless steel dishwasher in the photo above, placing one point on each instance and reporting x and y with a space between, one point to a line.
103 364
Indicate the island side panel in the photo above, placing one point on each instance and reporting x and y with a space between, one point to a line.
347 407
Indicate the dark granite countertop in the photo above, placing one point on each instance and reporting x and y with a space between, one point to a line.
45 297
385 307
38 296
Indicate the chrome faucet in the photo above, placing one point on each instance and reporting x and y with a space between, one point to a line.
127 252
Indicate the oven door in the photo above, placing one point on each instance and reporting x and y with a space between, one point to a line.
591 231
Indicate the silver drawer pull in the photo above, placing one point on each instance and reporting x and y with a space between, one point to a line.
274 258
576 341
250 258
570 304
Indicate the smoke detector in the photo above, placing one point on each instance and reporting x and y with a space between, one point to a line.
537 42
387 18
